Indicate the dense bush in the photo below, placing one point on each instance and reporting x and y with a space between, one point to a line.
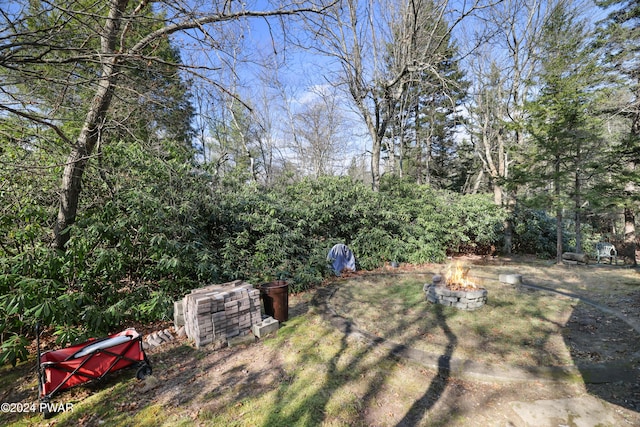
137 244
156 228
534 232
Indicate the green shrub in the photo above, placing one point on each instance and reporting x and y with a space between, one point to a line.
14 349
534 232
479 223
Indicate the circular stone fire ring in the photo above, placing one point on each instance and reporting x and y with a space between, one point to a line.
468 300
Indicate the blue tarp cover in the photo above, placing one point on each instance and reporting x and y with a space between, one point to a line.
341 257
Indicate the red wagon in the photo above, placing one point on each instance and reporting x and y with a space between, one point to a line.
62 369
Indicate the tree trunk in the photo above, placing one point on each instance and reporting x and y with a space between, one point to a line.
576 257
577 191
497 192
578 206
86 142
556 184
375 164
630 233
377 131
578 231
559 235
508 237
427 159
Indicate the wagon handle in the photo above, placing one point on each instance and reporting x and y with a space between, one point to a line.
40 386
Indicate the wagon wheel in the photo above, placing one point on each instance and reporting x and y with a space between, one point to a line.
46 413
44 408
143 371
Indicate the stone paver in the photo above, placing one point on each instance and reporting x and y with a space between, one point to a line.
576 412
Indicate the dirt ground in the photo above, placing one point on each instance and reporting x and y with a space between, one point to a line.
198 383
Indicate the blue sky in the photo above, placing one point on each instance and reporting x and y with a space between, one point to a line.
302 73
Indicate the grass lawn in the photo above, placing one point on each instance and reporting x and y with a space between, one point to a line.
516 326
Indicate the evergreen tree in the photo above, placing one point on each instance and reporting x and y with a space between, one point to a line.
620 43
422 132
565 133
439 156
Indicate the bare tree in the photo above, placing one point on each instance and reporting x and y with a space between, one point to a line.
487 129
230 133
363 35
122 38
274 112
504 66
320 135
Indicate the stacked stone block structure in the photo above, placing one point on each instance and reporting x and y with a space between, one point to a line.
216 313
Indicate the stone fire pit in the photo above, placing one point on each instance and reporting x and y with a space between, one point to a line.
463 296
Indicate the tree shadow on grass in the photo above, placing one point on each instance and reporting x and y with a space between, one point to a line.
606 351
436 389
312 408
603 340
353 376
499 344
367 361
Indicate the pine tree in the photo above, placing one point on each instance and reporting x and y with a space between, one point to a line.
564 131
620 43
422 132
